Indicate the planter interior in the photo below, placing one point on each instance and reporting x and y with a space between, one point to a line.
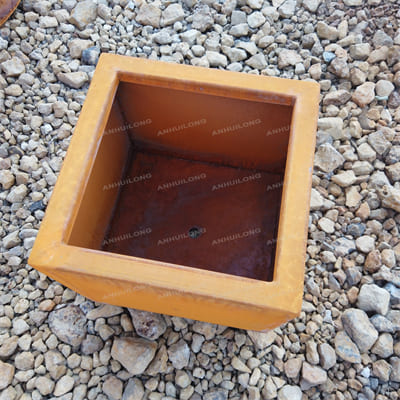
187 178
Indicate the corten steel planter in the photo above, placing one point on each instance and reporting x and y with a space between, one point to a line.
7 7
185 191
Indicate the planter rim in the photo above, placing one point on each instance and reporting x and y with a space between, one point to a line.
54 256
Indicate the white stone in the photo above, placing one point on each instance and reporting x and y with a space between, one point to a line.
364 94
344 178
384 88
13 67
288 57
216 59
173 13
73 79
289 392
255 19
365 243
373 298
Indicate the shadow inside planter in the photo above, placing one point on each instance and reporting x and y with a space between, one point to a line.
188 178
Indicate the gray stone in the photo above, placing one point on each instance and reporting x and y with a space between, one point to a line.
287 9
44 385
379 142
112 387
383 347
364 94
373 298
202 18
147 324
262 340
311 5
287 58
239 30
337 98
257 62
206 329
135 354
84 13
149 14
68 324
255 19
13 67
384 88
325 31
134 390
91 344
359 328
382 324
172 14
365 243
395 370
289 392
216 394
313 375
327 356
11 240
6 374
24 361
104 311
73 79
346 349
179 354
216 59
360 51
64 385
390 197
327 158
343 246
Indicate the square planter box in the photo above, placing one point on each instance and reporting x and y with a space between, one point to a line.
185 191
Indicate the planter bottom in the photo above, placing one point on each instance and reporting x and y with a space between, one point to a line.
197 214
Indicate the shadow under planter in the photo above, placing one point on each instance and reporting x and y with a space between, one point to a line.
186 191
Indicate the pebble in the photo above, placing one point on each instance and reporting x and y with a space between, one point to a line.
44 385
73 79
346 349
327 356
134 390
13 67
364 94
104 311
134 354
383 347
288 57
173 13
359 328
6 374
112 387
289 392
179 354
313 375
68 324
372 298
64 385
84 13
365 243
327 158
147 325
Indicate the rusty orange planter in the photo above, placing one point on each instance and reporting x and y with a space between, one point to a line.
7 7
185 191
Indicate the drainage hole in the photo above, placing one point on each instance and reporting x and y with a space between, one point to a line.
195 232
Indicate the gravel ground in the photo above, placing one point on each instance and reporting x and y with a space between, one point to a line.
56 344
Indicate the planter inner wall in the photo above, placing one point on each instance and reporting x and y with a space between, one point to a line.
190 177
